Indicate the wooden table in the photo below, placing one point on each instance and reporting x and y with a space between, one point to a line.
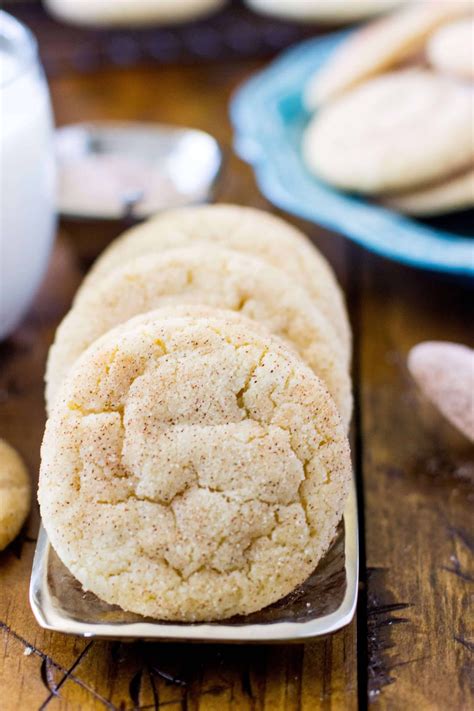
411 644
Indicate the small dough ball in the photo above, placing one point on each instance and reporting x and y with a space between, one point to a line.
15 493
445 373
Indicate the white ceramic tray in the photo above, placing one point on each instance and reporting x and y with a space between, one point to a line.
323 604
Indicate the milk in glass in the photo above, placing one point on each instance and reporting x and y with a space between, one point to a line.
27 173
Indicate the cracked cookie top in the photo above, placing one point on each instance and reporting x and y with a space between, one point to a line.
220 278
192 469
243 229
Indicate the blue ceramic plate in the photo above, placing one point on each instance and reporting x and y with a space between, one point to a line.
269 117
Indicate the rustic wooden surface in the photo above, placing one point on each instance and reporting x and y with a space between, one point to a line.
411 644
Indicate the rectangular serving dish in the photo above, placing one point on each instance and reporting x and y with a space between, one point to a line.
323 604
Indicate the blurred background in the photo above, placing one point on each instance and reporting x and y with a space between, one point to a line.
183 71
230 30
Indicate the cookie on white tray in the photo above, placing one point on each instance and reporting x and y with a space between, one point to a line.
220 278
192 470
243 229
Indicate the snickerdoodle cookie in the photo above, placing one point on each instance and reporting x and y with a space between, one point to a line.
149 510
395 132
220 278
379 46
15 493
243 229
449 195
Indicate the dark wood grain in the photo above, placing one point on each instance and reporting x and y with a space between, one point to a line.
418 477
414 641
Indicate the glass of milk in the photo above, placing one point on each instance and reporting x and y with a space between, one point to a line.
27 172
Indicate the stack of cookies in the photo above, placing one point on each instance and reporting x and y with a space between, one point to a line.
195 463
395 110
